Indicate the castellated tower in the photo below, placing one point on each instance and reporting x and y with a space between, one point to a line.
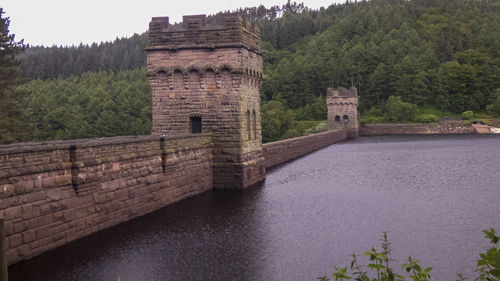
342 105
206 75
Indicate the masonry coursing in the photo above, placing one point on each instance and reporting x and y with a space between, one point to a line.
414 129
52 193
212 70
118 179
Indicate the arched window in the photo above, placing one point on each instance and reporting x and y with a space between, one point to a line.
178 78
337 118
346 118
162 79
210 83
226 79
194 80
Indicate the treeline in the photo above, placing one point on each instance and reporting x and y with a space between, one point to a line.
94 104
439 53
41 62
282 26
443 56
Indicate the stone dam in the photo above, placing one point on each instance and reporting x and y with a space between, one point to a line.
205 76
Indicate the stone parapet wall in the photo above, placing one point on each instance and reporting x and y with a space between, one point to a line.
413 129
56 192
198 31
279 152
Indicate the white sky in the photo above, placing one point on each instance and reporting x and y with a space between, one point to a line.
69 22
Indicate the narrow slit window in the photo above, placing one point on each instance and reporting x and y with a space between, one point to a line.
248 126
195 124
254 125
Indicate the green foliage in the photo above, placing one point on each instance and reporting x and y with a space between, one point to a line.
276 120
422 114
426 118
313 111
13 124
379 269
489 262
39 62
302 128
494 109
95 104
396 110
279 123
468 115
367 119
422 51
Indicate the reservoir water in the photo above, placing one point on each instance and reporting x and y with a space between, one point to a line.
432 194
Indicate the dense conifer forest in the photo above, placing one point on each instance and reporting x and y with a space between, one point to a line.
431 57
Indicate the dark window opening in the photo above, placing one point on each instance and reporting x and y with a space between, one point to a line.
195 125
248 126
346 118
337 118
254 125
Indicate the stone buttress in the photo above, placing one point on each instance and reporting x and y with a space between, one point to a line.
205 74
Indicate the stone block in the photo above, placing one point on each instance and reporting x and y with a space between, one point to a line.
54 194
29 236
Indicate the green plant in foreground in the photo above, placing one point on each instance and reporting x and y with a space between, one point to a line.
489 263
488 266
379 267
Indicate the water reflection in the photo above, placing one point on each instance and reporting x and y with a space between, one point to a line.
433 194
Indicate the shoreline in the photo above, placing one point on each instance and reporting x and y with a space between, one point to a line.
423 129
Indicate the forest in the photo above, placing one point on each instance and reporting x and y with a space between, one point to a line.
432 58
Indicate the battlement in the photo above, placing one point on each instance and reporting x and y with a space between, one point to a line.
198 31
342 92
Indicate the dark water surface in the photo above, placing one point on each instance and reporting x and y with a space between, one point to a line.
432 194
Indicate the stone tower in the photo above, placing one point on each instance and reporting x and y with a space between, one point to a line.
206 74
342 105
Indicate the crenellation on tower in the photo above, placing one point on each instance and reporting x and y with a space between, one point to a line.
198 31
206 75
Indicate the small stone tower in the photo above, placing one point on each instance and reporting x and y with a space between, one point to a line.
206 75
342 105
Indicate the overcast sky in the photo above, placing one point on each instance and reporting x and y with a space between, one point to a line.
69 22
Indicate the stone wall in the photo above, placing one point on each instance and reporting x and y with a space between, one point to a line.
198 31
56 192
342 108
413 129
279 152
210 69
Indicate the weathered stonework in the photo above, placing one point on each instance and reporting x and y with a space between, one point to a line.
56 192
342 106
414 129
279 152
212 72
52 193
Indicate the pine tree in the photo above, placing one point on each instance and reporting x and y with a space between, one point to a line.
13 124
